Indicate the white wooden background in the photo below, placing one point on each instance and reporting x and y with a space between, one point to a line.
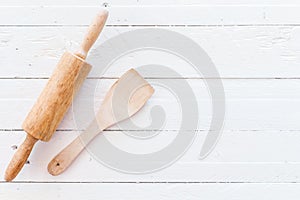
255 46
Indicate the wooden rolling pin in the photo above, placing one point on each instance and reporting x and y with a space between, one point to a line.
55 99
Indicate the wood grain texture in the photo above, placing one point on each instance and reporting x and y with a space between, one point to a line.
55 99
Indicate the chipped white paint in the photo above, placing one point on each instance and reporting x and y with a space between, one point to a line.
238 52
255 47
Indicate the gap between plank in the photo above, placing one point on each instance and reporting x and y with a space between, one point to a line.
149 182
172 78
152 25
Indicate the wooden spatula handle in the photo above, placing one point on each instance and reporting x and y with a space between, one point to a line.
20 158
92 34
65 158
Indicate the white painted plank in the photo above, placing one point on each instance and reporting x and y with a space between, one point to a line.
151 15
164 191
240 156
146 2
250 104
237 52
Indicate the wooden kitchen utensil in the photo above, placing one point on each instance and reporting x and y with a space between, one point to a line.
55 99
125 98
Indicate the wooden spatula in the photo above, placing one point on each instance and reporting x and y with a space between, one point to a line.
125 98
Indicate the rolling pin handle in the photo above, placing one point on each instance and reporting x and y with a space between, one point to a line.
92 34
20 158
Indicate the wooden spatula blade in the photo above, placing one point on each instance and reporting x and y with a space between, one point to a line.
126 97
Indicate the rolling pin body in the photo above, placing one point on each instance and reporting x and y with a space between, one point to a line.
55 99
